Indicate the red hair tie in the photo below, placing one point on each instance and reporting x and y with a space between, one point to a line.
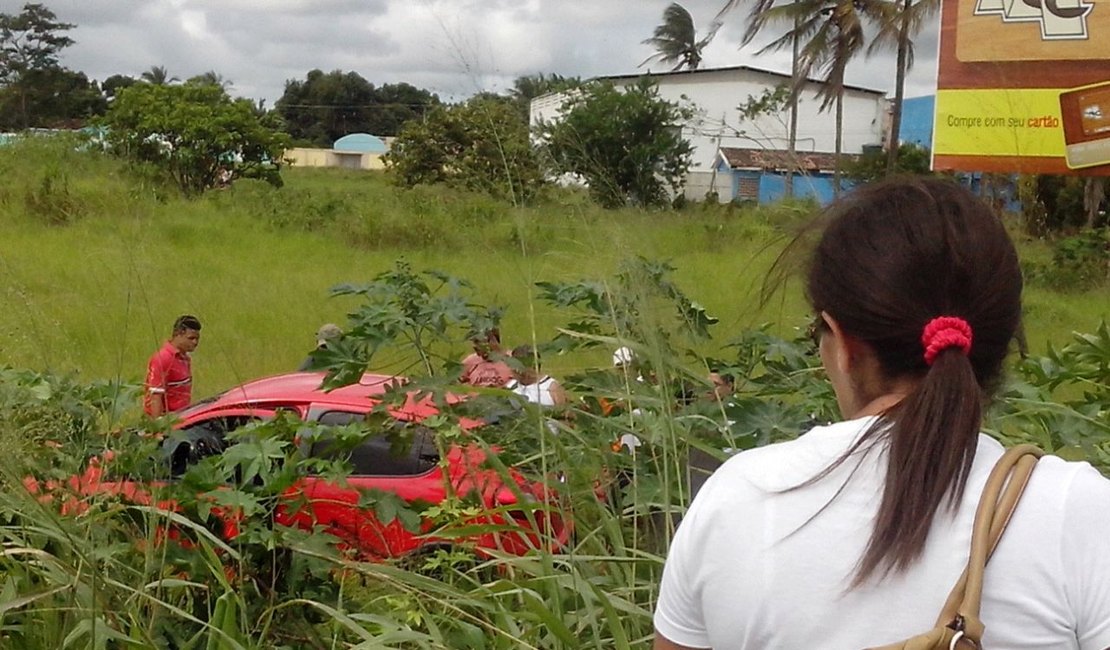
945 332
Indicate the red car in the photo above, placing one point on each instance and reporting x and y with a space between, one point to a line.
415 475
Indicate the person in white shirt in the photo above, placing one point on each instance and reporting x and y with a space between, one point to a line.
852 535
530 383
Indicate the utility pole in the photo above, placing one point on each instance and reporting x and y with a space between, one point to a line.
792 136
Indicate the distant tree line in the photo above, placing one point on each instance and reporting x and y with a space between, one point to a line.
36 91
325 106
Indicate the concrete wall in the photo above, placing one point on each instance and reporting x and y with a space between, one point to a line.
306 157
716 94
700 183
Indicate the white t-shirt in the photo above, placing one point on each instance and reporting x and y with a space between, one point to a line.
745 570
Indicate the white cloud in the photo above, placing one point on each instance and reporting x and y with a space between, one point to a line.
452 47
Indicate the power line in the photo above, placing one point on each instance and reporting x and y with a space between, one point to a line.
375 105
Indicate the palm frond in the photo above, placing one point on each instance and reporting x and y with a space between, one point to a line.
676 39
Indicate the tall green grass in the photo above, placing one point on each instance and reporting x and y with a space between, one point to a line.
94 288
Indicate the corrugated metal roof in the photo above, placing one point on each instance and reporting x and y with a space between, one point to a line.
732 68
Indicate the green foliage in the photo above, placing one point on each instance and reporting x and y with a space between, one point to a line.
1051 203
871 165
53 179
642 306
190 132
40 412
158 75
416 312
1079 262
1061 400
30 40
97 295
771 101
115 83
327 106
34 90
625 143
97 570
528 87
50 98
676 40
481 145
52 201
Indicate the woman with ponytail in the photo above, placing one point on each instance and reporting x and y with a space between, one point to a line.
852 535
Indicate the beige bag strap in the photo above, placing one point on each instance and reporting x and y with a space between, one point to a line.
1000 497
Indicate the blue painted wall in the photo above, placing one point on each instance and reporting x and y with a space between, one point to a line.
772 187
917 120
771 184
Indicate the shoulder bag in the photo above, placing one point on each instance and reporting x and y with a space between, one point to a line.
958 626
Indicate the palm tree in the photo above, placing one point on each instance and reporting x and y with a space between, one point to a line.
833 34
756 22
211 78
897 31
158 75
676 40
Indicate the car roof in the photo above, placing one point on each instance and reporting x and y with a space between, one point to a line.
297 388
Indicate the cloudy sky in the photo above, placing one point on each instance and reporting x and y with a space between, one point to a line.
452 47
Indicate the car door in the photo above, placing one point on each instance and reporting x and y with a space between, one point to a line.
401 460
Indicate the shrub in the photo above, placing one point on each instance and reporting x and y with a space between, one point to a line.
871 165
625 143
192 132
1079 262
52 201
480 145
1051 203
58 179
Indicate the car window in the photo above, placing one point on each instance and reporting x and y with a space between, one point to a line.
200 440
340 418
405 449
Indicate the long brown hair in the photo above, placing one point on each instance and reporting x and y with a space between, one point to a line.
893 256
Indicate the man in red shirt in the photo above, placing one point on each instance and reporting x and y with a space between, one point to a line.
169 376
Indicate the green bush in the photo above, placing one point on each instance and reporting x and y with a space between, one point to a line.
52 201
626 143
1079 262
871 165
192 132
481 145
1051 204
57 179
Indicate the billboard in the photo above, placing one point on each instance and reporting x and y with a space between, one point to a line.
1023 86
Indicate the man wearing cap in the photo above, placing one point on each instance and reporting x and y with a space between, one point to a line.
169 374
327 332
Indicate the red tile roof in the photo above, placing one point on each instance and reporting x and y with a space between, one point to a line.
778 159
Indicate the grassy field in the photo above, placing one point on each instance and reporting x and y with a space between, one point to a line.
97 294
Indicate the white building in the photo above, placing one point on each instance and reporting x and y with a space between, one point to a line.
716 95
